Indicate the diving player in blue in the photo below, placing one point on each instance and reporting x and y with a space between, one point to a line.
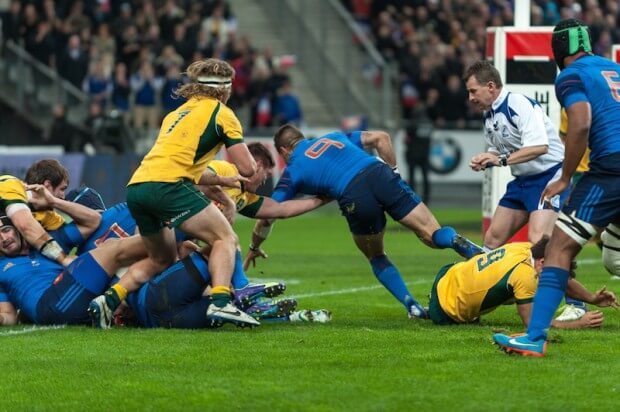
44 290
337 165
588 87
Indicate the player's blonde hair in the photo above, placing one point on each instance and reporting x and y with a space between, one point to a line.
208 78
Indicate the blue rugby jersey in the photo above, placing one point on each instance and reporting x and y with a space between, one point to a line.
595 80
323 166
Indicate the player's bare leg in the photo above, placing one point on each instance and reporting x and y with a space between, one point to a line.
504 224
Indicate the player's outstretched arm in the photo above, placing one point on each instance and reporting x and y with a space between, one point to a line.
86 219
270 209
601 298
261 232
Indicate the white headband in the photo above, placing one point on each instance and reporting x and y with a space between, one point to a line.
215 81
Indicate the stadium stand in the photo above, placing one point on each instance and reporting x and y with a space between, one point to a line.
127 57
450 35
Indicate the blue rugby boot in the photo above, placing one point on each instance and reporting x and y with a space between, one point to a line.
245 297
268 308
466 247
521 345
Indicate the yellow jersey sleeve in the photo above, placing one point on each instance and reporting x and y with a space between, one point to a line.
523 282
49 219
12 190
229 127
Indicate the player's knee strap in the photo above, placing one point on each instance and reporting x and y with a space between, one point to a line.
611 249
576 228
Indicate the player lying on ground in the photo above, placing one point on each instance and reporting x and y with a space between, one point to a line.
336 165
175 299
464 291
47 292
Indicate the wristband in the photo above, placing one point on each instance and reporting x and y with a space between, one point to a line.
52 250
254 248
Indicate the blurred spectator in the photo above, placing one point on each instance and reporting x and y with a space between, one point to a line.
259 96
167 59
287 108
452 108
418 140
123 20
41 44
104 48
73 62
169 100
62 133
98 85
121 89
170 16
146 87
129 47
12 21
182 44
217 26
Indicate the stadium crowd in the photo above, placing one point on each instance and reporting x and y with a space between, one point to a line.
128 55
432 42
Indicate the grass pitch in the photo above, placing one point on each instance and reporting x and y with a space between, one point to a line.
370 357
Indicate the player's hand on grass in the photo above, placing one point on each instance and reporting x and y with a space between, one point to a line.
41 197
605 298
251 257
592 319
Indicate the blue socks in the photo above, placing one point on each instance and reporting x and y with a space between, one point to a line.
239 279
446 237
390 277
551 288
443 237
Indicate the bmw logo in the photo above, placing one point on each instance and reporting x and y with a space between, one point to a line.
445 155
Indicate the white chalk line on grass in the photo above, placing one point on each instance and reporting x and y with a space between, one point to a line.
30 330
351 290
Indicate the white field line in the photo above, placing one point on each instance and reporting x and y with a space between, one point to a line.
30 330
351 290
589 262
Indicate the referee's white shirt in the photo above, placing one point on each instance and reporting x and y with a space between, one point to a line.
515 121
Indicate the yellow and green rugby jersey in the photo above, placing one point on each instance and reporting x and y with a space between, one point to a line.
484 282
189 138
584 163
247 203
13 190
